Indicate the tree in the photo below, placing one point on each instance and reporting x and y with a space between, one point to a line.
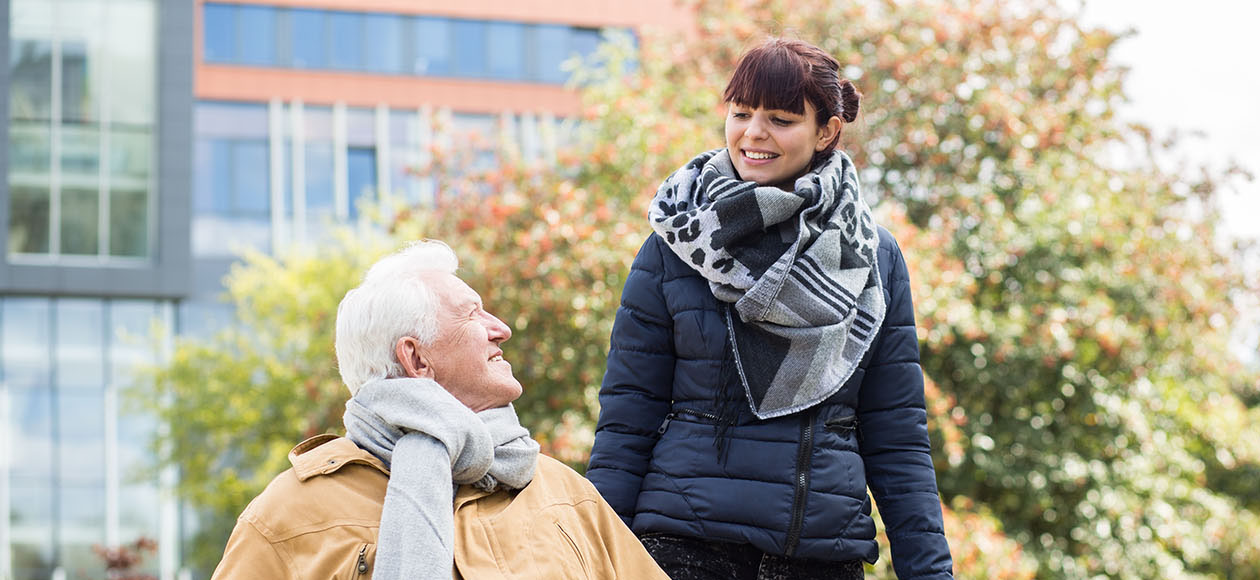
235 402
1074 310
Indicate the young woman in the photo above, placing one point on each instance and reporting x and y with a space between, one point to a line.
764 365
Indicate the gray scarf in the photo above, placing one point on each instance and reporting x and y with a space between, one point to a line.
798 266
420 430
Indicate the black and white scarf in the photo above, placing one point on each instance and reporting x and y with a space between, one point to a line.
798 266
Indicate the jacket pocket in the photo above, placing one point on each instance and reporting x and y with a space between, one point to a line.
846 425
361 563
577 552
691 415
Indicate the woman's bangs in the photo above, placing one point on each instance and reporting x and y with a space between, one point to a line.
769 79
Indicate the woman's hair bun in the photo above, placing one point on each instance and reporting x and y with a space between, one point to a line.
850 101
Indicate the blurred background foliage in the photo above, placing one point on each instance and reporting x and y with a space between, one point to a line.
1076 303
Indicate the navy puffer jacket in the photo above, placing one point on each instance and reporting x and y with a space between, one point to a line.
793 485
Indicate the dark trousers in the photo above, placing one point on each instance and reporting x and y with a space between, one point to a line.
685 558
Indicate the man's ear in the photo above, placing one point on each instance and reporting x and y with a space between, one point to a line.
413 358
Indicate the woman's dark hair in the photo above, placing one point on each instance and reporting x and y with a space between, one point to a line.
782 73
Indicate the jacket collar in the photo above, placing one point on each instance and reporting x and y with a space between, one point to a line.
324 454
469 493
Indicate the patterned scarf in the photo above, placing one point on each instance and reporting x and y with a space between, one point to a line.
431 443
798 266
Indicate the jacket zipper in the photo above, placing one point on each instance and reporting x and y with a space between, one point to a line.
694 413
804 452
362 568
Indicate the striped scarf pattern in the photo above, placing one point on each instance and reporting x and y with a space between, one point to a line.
799 268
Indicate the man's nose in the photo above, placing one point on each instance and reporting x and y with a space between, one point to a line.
497 330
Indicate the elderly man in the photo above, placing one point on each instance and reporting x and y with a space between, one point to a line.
435 478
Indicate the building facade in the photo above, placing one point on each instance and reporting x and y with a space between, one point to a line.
148 142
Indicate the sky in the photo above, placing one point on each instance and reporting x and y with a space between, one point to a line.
1194 68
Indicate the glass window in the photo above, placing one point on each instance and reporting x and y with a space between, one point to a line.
26 334
470 48
79 353
231 177
250 174
210 177
28 219
346 33
407 134
80 153
80 221
480 130
31 518
219 32
128 222
404 128
79 535
81 436
307 34
230 120
130 152
30 146
506 50
201 318
432 47
319 178
384 49
135 515
550 50
361 169
317 123
130 344
130 158
30 79
360 127
82 523
256 36
584 41
130 57
76 87
31 444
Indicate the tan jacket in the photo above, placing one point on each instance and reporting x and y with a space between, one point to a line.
320 520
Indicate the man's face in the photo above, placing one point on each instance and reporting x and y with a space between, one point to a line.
465 357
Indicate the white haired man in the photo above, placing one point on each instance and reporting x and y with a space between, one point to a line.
435 477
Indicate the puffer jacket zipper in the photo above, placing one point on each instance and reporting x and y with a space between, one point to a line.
705 417
803 455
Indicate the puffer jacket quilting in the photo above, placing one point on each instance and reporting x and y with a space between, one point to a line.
655 459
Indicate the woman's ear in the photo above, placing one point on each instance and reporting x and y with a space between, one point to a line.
412 358
827 133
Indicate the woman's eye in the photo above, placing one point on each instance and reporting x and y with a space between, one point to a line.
782 121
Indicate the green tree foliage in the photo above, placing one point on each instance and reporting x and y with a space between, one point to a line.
1074 303
1075 309
235 402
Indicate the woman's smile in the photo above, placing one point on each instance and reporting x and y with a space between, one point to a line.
771 146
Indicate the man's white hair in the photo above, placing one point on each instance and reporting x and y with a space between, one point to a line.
392 302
